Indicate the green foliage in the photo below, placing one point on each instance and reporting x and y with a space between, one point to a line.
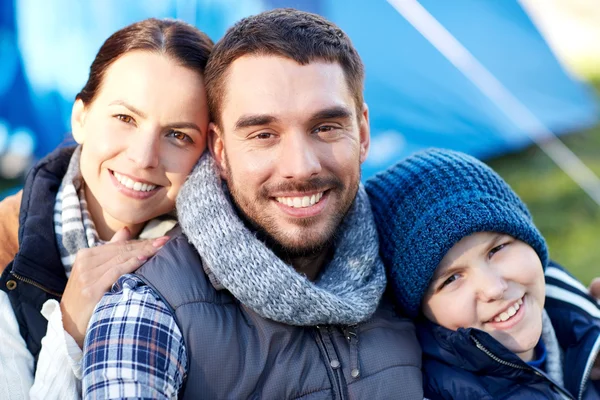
567 217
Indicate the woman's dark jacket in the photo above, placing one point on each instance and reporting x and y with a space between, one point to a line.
37 274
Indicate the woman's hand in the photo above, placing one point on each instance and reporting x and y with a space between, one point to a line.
94 272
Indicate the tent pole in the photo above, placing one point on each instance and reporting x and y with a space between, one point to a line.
500 96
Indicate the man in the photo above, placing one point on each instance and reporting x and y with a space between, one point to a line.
275 290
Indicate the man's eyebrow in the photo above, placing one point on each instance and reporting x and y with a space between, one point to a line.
129 107
336 112
247 121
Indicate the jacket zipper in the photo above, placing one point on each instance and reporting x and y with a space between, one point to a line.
338 386
34 283
513 365
588 366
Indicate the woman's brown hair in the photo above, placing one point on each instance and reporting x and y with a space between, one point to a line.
182 42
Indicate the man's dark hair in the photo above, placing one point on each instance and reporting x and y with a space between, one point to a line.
297 35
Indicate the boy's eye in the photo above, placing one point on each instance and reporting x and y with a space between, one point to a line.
496 249
448 281
124 118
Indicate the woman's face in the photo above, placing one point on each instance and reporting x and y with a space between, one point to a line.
141 135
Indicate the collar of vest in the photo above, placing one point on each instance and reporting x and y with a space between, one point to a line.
38 258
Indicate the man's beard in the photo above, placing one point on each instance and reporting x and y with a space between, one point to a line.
267 230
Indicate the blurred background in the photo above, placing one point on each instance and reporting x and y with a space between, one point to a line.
515 83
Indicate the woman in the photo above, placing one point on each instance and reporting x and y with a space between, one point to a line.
140 122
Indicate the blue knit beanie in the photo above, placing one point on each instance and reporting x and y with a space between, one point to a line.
427 203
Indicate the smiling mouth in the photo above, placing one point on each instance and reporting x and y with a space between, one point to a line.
133 185
509 313
301 201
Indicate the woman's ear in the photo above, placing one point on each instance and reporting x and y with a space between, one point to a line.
78 121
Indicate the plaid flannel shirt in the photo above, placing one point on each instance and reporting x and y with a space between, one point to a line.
133 347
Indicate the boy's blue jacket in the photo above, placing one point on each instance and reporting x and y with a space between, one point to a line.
470 364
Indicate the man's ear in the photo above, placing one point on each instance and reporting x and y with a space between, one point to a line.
365 133
78 115
217 147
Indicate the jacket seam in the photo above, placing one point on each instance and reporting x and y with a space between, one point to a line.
385 369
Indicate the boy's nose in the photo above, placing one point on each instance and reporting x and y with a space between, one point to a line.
490 285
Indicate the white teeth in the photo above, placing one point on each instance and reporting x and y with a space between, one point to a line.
512 310
300 202
131 184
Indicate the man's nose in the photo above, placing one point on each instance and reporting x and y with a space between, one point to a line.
300 158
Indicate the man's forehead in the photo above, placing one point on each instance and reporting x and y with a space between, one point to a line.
275 85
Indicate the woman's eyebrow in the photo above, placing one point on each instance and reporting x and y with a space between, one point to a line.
184 125
129 107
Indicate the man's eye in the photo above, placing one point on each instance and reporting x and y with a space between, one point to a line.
264 135
324 129
124 118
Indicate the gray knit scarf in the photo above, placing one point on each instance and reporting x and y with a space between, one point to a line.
73 226
347 291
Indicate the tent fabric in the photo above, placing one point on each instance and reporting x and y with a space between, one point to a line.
417 98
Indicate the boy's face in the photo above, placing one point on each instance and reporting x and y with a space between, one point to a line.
494 283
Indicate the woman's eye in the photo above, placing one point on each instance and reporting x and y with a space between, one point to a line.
124 118
180 136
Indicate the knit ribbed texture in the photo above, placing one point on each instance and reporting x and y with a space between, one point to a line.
430 201
347 292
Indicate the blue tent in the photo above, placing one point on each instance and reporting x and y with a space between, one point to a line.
470 75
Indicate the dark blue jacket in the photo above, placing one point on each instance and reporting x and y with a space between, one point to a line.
37 274
470 364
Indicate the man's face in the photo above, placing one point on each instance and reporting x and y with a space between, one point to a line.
290 148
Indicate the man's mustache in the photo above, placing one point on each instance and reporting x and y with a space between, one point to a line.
312 185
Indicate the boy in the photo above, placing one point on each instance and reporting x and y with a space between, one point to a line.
496 318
